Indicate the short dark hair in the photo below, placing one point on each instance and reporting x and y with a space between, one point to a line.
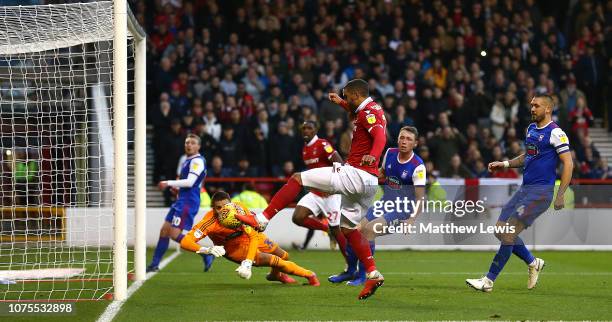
412 130
548 98
311 123
220 195
357 86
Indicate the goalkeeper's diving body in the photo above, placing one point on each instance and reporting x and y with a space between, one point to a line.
243 245
182 212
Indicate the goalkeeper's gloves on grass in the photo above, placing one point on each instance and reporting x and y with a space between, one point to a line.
216 251
244 270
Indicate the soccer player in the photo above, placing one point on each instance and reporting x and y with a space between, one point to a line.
244 245
180 216
356 180
405 178
546 144
319 153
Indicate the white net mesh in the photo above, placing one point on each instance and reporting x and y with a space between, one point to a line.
56 147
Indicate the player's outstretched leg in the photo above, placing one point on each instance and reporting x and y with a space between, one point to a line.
374 279
275 273
281 199
284 266
485 283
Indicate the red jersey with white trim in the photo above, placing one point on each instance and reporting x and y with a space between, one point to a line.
369 115
317 153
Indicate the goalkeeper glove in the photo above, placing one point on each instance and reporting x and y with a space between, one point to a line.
244 270
216 251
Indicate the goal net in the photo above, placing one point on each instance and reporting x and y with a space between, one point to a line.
67 159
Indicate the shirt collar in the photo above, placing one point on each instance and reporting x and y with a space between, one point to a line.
539 128
409 159
363 104
313 140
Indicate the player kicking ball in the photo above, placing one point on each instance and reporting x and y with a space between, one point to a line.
405 178
242 244
356 180
319 153
546 144
180 217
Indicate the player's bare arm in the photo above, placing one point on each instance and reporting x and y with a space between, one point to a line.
419 194
566 177
514 163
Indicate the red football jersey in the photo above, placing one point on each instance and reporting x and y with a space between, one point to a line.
317 153
369 115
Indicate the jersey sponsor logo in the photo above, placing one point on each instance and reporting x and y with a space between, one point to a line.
311 161
393 183
420 174
532 149
198 233
371 118
328 149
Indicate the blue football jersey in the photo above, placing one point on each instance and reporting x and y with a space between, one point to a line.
196 165
401 177
542 149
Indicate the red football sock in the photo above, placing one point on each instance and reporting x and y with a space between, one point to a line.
314 223
362 249
283 197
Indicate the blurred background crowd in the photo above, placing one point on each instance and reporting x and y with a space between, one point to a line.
244 75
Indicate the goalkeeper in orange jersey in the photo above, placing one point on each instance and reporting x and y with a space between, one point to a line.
243 245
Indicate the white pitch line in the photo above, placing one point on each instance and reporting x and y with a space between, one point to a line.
112 309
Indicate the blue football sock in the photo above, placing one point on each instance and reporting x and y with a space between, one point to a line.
162 246
362 272
179 238
521 251
372 247
500 260
351 260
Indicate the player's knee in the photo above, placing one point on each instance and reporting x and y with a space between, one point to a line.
298 218
507 239
498 236
164 232
334 230
368 232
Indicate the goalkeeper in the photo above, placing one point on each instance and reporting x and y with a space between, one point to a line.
243 245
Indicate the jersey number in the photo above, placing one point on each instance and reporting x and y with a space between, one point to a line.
176 221
332 216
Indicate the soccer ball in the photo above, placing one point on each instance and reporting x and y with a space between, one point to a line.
227 215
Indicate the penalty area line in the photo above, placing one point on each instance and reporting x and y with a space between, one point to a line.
115 306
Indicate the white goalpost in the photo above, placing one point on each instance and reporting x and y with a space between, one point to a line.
72 151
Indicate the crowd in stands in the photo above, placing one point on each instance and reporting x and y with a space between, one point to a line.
244 77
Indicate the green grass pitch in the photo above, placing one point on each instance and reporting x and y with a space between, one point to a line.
418 286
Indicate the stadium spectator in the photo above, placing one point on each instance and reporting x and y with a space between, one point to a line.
424 60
